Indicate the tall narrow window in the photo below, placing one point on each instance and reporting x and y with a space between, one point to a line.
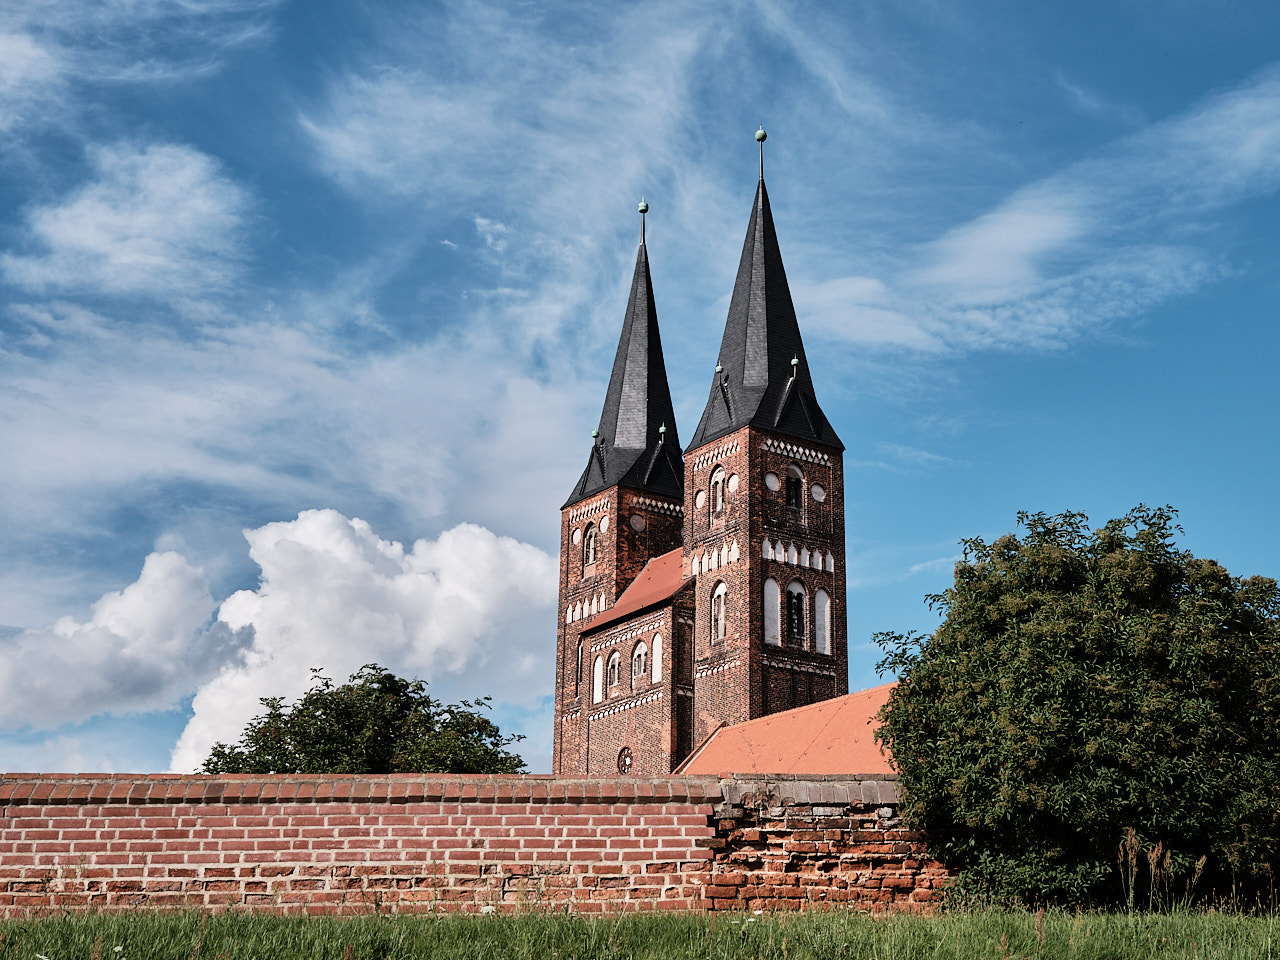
795 487
772 613
717 491
657 658
577 671
719 598
589 545
639 665
795 610
597 680
615 669
822 622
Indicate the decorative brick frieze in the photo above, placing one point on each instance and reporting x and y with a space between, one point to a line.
788 449
718 452
659 506
582 511
629 704
629 632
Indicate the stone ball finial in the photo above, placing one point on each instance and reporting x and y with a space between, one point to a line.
761 136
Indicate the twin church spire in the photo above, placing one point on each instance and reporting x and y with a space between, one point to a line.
636 444
761 376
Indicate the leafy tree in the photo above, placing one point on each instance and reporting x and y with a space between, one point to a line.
1085 684
377 722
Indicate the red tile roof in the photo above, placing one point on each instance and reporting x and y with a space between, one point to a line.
659 580
833 736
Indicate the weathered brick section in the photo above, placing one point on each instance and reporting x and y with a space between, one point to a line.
335 844
786 844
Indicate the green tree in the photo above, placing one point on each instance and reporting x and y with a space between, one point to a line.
377 722
1085 683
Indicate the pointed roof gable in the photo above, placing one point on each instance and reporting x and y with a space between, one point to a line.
632 448
757 381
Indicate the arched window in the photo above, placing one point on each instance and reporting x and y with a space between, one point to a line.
589 545
717 491
822 622
615 669
639 664
795 610
657 658
577 671
772 613
719 600
795 487
597 680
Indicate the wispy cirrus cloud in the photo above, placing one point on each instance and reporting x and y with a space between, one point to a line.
1104 239
158 220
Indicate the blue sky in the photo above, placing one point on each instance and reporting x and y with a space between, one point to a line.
306 312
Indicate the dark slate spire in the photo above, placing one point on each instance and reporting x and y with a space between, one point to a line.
762 377
636 445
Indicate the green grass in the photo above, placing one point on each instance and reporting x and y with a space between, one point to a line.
1001 935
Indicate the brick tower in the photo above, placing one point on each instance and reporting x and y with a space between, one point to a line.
624 511
711 590
764 488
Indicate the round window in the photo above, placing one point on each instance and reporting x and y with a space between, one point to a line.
577 537
637 523
700 500
818 492
771 481
733 483
604 524
624 760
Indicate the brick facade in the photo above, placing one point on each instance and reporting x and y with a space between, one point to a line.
354 844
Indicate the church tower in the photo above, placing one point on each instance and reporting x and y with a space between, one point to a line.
624 510
706 589
764 509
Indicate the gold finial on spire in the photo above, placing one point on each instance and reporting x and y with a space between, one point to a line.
643 208
761 136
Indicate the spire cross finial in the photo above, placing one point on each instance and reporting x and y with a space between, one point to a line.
761 136
643 208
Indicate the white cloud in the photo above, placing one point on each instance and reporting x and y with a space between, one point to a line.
471 612
143 648
1001 255
47 47
1103 239
934 566
493 233
30 74
159 220
1091 104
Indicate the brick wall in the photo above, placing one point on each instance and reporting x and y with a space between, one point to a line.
334 844
787 843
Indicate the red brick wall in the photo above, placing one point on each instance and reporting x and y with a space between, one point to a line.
333 844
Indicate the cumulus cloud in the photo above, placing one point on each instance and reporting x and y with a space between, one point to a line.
142 648
469 611
159 219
